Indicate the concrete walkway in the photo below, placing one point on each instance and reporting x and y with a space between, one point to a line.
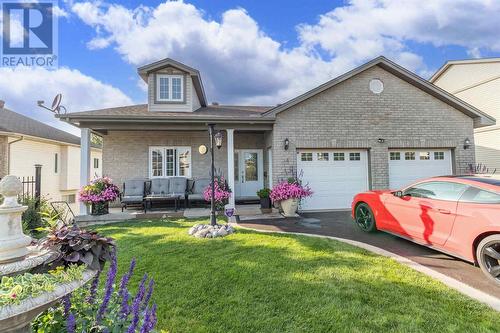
340 224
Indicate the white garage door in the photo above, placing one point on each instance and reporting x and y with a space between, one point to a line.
335 176
407 165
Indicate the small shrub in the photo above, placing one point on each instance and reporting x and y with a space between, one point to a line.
80 246
264 193
33 217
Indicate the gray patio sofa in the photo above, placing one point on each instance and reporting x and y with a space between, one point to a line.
133 193
195 190
165 189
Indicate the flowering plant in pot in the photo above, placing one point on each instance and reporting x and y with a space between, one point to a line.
222 192
99 193
288 193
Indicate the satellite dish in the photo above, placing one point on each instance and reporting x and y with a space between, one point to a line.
56 102
56 105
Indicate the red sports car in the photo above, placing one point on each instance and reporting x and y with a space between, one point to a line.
457 215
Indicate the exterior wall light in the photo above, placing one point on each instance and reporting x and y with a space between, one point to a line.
287 143
380 140
218 139
467 143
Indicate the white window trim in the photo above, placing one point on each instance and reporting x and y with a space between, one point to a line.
170 88
164 161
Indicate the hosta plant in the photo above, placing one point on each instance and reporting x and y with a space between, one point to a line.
14 289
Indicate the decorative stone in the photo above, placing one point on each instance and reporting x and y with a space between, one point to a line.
13 243
10 188
209 231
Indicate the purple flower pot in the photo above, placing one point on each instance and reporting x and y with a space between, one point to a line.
100 208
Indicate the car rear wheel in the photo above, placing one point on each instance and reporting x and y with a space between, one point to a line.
488 257
364 218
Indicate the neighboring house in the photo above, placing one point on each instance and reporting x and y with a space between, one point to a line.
25 142
377 126
477 82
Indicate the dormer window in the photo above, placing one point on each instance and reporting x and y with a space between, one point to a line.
169 88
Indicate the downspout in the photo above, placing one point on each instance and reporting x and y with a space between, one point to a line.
8 152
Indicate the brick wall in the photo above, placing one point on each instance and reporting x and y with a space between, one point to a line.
125 154
4 156
349 115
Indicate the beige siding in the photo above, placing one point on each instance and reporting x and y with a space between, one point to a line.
55 186
349 115
460 76
4 156
26 153
479 85
488 149
191 99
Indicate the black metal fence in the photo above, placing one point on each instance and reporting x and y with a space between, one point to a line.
32 185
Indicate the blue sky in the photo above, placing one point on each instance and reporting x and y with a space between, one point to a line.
249 52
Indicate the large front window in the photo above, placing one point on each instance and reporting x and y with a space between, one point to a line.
169 161
169 88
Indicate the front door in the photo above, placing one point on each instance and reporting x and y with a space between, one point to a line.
248 172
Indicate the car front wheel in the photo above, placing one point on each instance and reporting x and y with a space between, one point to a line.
488 257
364 217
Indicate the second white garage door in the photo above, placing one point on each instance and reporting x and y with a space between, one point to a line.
335 176
408 166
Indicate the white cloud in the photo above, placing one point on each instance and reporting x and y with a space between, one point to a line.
240 63
22 87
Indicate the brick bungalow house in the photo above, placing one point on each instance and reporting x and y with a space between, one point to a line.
377 126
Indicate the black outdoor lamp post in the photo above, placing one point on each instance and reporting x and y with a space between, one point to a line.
218 142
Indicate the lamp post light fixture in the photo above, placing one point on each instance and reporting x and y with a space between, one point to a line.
218 142
467 143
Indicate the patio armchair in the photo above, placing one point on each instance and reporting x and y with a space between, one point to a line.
133 193
195 190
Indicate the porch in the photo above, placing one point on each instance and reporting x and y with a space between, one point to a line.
173 151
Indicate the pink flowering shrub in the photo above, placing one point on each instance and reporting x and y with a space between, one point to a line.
289 189
222 192
100 190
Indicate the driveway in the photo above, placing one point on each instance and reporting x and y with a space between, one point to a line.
339 224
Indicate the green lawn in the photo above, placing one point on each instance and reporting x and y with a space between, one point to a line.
253 282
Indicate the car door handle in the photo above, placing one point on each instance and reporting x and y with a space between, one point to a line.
444 211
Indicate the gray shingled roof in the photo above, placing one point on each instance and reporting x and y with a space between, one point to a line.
13 122
141 110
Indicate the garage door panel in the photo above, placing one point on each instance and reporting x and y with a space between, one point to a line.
334 183
404 171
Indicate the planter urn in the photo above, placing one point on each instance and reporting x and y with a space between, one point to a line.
289 207
13 242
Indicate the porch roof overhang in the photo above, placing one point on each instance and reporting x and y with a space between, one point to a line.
102 124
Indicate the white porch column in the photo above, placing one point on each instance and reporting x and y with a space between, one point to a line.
230 164
84 164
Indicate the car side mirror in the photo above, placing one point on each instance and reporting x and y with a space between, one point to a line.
398 194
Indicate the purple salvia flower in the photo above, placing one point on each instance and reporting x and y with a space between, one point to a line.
93 289
66 304
71 323
146 322
109 287
136 305
149 293
126 278
125 308
152 318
